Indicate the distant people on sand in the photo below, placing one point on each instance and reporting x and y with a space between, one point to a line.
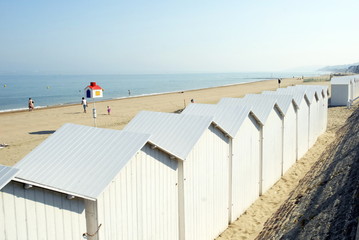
108 110
84 104
192 100
279 82
31 104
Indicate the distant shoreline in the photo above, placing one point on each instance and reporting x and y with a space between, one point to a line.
23 130
9 111
55 91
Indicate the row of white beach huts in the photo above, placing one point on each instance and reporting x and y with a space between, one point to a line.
345 90
166 175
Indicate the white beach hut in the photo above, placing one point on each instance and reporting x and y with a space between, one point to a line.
323 97
30 213
201 148
344 89
100 183
315 120
290 127
271 116
244 130
8 214
302 102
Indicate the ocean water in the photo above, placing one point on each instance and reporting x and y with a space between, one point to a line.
50 90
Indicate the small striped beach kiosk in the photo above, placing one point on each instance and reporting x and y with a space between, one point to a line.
94 91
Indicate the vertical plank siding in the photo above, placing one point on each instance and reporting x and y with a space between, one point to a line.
142 201
245 165
205 187
38 214
289 136
272 150
303 129
313 120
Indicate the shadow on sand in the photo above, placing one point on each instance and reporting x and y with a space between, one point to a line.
74 112
42 132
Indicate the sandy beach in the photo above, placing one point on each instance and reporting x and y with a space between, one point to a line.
23 131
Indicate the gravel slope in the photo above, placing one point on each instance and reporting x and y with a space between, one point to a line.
325 204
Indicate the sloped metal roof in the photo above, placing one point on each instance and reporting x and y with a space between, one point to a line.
298 96
310 92
228 117
343 80
283 101
260 107
174 133
287 94
320 89
6 175
80 160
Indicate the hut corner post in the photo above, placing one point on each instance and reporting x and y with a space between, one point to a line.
261 162
181 212
282 155
230 159
92 226
296 135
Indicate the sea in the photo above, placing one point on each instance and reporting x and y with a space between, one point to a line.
53 90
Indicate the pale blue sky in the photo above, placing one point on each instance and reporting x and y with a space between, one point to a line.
157 36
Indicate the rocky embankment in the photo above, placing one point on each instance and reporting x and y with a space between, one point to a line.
353 69
325 204
344 69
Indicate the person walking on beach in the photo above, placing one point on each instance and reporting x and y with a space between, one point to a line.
279 81
108 110
84 104
31 104
129 93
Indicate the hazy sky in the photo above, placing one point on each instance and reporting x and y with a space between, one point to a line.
158 36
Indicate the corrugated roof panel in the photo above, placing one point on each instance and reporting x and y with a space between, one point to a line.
283 101
287 95
6 175
228 117
200 109
259 107
343 80
174 133
80 160
264 103
298 96
318 88
310 92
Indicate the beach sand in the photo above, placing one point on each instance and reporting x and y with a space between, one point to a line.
23 131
